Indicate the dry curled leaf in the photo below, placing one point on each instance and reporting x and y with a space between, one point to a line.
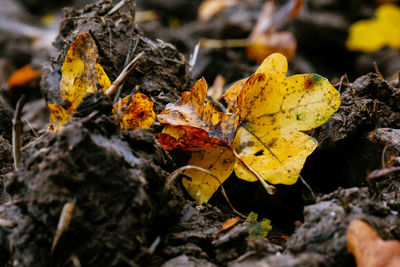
373 34
138 114
194 123
369 249
81 74
265 38
265 132
228 224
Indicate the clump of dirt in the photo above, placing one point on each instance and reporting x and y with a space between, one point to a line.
116 180
161 74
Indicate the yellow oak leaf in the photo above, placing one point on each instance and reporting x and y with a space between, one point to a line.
373 34
81 74
269 144
219 161
138 115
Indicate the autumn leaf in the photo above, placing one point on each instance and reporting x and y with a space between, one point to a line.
194 123
373 34
81 74
257 229
138 114
209 8
22 76
369 249
228 224
262 140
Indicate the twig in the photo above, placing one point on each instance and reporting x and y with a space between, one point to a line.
270 188
193 57
16 132
382 172
226 43
230 204
63 222
116 7
377 71
123 75
308 187
383 156
154 245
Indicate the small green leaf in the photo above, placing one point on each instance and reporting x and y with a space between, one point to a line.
257 229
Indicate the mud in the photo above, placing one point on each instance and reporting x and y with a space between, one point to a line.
124 215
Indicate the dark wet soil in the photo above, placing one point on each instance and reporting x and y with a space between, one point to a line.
123 215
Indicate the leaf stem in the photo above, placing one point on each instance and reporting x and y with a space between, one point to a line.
269 188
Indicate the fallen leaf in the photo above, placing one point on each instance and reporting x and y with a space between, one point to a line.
265 38
209 8
81 74
22 76
198 124
217 88
257 229
228 224
262 139
138 114
273 42
373 34
369 249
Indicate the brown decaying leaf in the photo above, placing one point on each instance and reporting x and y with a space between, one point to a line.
196 119
265 39
139 113
369 249
228 224
22 76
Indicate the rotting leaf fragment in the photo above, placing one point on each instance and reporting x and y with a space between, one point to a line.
138 114
263 139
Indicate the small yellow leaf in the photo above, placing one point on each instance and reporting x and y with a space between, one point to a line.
219 161
372 34
138 115
80 75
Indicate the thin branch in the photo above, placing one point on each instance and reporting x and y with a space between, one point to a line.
269 188
16 132
123 75
308 187
116 7
230 204
377 71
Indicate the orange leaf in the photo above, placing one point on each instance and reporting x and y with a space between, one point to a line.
369 249
228 224
198 119
22 76
138 115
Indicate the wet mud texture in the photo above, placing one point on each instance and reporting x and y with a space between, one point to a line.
162 73
116 180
